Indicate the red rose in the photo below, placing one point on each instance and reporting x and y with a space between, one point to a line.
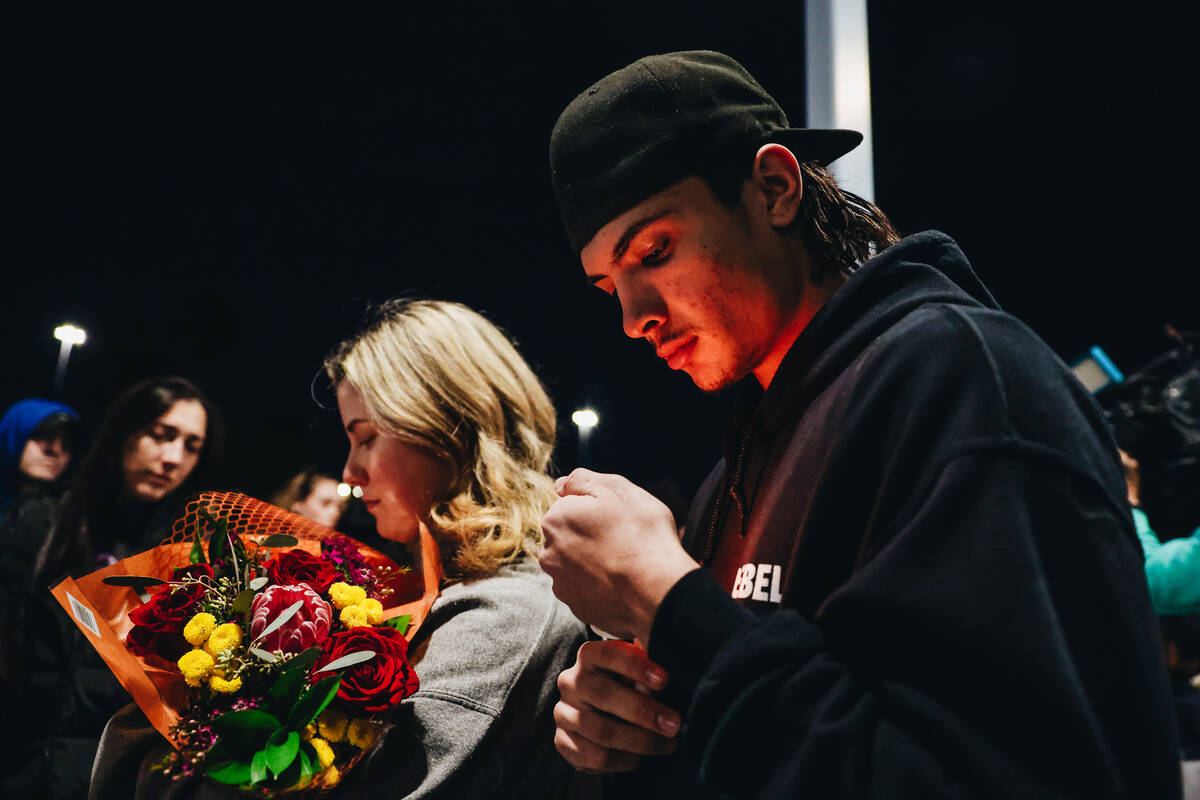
158 624
297 566
378 684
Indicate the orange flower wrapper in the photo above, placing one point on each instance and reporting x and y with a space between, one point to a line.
158 687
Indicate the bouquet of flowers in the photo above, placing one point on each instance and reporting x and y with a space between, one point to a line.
267 648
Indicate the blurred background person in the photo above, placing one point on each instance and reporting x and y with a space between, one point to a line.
312 495
1172 566
159 442
38 439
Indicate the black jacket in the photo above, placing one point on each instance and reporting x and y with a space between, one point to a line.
940 590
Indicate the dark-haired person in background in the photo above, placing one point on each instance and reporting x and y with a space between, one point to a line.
158 442
312 495
922 576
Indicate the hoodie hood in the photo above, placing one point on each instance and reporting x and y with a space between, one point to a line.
924 268
19 421
16 425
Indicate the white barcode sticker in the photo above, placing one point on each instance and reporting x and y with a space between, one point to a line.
84 614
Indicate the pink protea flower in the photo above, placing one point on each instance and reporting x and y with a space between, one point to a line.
308 627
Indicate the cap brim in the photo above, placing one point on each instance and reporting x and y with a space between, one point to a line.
819 145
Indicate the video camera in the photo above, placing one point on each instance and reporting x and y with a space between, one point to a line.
1155 415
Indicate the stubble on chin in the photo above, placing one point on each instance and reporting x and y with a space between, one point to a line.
714 378
711 382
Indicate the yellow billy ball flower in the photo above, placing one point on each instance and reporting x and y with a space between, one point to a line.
353 617
218 684
195 667
332 724
374 610
331 776
310 730
343 594
224 637
361 733
324 751
198 629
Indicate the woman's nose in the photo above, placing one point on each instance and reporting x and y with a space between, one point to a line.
351 473
172 451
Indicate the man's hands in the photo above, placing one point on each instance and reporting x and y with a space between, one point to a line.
613 551
606 718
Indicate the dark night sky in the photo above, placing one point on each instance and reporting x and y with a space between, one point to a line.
218 195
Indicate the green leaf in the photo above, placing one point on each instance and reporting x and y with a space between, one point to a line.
304 659
286 690
279 540
219 753
281 749
290 777
270 658
219 538
313 701
258 767
245 731
217 545
197 548
309 765
138 582
239 549
241 603
400 623
279 621
234 773
357 657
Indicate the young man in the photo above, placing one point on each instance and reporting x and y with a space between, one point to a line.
921 575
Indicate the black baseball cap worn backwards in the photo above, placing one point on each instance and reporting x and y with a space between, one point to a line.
654 122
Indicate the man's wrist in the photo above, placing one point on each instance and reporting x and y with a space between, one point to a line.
664 580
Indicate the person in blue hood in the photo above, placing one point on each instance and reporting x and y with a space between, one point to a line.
914 574
38 440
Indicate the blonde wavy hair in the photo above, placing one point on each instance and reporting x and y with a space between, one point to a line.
438 375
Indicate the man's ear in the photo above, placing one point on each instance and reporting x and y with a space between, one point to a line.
776 174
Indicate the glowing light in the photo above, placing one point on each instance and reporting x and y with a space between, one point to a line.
69 334
356 491
585 418
343 490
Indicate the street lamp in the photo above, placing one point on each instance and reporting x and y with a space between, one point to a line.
70 336
585 419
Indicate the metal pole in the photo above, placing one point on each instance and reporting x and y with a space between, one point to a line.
60 374
839 83
585 457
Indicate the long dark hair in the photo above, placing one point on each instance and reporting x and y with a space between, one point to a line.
841 229
82 525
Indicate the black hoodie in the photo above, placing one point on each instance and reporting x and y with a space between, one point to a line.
936 587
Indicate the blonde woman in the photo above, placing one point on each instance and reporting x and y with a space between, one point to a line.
450 429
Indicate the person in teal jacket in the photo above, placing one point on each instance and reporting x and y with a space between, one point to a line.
1172 567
